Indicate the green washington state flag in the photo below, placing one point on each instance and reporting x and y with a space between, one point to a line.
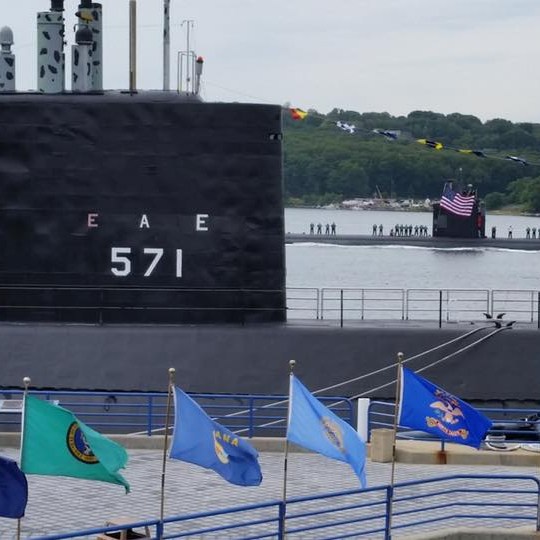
55 443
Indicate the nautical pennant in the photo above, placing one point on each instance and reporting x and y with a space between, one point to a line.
299 114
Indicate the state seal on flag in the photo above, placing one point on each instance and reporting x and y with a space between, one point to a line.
78 446
333 433
220 451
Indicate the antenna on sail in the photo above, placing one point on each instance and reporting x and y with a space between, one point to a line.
7 60
166 45
189 65
132 46
50 49
90 15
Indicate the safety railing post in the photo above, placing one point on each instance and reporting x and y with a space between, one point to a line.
407 304
440 308
388 517
251 411
538 512
281 525
318 302
149 416
538 309
341 308
159 530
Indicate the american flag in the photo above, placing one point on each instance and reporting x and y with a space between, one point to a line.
461 205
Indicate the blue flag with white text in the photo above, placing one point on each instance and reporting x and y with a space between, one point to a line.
13 489
202 441
315 427
429 408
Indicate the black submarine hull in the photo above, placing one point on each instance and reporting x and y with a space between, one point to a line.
253 359
436 242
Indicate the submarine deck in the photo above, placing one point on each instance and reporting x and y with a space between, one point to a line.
253 359
417 241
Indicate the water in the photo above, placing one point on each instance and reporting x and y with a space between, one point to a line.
323 265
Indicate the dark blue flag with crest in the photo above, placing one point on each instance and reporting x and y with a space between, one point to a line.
429 408
13 489
202 441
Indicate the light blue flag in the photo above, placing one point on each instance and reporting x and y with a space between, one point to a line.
315 427
202 441
429 408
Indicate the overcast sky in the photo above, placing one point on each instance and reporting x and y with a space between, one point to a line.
479 57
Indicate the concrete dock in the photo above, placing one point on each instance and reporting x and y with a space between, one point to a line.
58 504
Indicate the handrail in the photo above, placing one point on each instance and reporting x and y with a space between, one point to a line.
252 415
145 412
342 303
365 515
428 304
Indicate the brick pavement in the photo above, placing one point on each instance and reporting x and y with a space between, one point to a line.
58 504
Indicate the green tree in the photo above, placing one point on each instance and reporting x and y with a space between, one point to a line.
321 161
494 200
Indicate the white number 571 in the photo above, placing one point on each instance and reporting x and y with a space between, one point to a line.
121 263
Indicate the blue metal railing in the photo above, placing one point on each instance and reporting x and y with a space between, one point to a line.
248 415
145 412
417 506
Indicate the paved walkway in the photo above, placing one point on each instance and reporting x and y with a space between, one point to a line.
63 504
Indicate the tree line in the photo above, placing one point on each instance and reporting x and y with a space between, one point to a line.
324 164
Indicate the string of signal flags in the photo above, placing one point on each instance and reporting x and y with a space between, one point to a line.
394 135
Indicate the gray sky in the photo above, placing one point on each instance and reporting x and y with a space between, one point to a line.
477 57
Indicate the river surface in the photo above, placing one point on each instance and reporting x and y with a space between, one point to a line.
327 265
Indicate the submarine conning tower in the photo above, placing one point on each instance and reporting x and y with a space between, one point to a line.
464 216
135 206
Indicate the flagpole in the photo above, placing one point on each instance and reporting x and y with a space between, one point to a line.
165 441
394 437
26 382
292 363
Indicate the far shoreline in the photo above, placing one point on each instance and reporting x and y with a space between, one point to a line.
498 212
